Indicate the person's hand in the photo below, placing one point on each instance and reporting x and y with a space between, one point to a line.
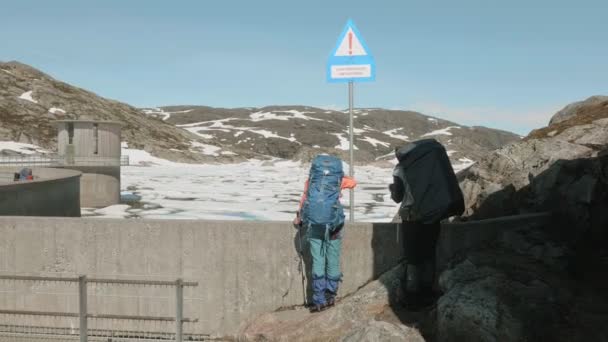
391 187
297 221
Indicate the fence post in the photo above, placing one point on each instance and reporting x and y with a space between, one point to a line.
82 303
179 309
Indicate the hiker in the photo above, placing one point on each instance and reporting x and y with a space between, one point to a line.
322 214
26 174
16 176
426 186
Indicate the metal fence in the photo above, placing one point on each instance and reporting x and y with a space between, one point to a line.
55 160
88 325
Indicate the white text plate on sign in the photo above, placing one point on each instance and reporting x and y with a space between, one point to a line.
351 71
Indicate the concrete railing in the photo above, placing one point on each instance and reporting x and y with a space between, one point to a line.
53 192
53 160
243 268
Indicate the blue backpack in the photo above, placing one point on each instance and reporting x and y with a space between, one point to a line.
322 205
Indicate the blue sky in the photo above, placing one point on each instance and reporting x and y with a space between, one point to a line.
501 64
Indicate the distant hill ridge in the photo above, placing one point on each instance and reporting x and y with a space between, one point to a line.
31 100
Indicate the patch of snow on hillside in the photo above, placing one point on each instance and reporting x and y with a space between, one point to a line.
8 72
375 142
143 158
344 142
205 149
238 133
181 111
432 119
268 134
56 110
28 96
22 147
205 136
450 152
280 115
393 134
161 112
462 164
466 160
157 112
443 131
218 125
212 123
386 156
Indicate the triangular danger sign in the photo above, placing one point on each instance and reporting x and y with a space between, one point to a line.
351 60
350 45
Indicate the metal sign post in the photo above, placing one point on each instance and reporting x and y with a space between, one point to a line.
351 62
351 162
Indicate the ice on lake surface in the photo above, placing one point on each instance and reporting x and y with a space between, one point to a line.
253 190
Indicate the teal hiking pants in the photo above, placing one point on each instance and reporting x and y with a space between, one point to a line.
325 251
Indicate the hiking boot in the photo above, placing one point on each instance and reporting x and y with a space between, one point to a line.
318 307
330 298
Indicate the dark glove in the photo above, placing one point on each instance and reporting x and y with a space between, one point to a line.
391 188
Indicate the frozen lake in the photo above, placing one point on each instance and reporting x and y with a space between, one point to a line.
253 190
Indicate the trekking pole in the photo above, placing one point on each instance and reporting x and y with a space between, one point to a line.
302 267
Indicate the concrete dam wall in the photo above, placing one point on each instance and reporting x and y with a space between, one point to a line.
242 268
53 192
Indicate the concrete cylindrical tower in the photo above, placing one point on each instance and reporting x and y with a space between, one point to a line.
92 147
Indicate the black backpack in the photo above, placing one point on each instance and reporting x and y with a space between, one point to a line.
432 192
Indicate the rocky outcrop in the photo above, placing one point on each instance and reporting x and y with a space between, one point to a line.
352 319
584 116
572 109
521 288
537 284
493 187
490 186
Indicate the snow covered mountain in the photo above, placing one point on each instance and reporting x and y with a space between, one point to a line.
30 101
298 132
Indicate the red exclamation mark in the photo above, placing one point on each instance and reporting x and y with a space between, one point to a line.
350 43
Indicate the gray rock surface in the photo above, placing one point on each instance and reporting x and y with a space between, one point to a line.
350 320
538 285
490 185
378 331
521 288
